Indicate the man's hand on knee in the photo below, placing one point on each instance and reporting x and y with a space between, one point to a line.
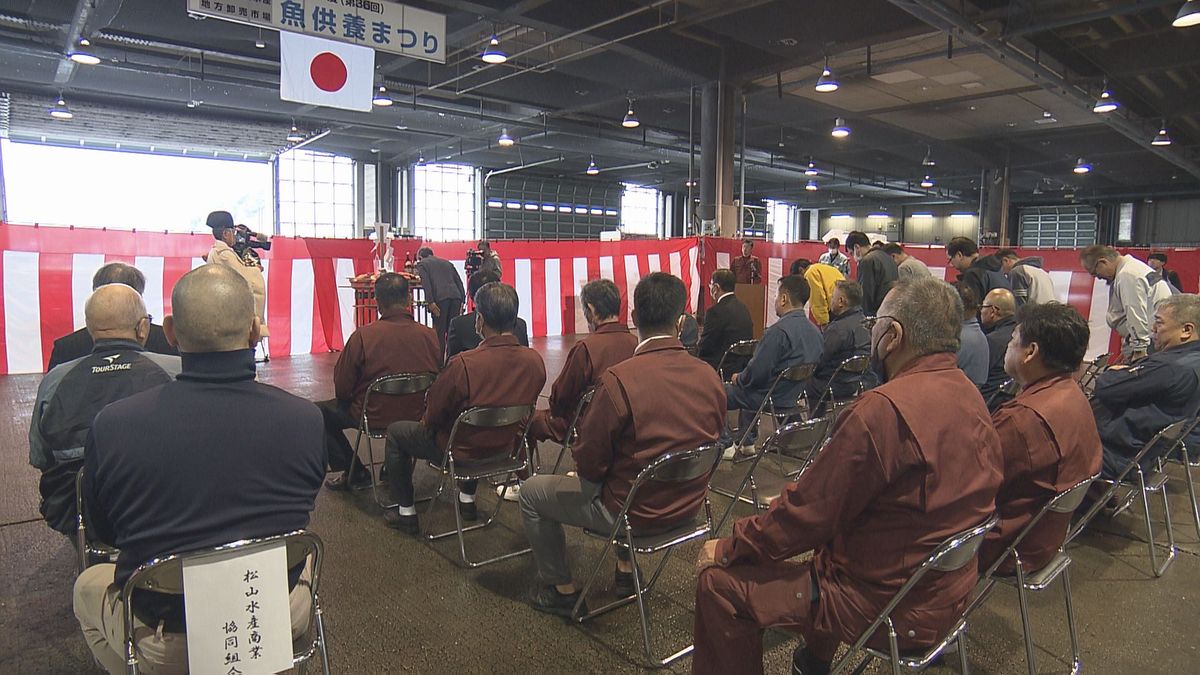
708 556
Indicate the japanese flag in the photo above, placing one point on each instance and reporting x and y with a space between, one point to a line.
324 72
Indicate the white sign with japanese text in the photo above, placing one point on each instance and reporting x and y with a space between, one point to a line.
379 24
238 614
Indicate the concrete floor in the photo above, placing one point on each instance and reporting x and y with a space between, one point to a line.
393 604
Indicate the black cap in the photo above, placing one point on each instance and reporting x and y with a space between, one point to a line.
219 220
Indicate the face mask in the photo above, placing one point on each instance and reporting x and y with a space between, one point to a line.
877 362
857 256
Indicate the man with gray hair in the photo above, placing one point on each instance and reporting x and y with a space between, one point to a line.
79 343
1134 289
1134 403
210 458
71 394
870 507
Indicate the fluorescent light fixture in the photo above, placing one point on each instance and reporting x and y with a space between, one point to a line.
922 216
60 111
1082 167
548 207
531 207
811 186
840 130
84 58
630 121
294 136
592 169
596 212
962 215
513 205
610 212
259 44
1161 138
492 53
1189 15
1106 103
927 182
811 170
381 97
826 83
494 204
505 141
564 209
581 210
841 216
878 216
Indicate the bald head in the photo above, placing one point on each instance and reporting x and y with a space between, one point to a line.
998 305
213 311
116 312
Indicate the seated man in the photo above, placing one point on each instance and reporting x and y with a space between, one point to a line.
660 400
71 394
79 343
996 317
1047 435
461 335
845 337
610 343
499 372
392 345
870 507
973 347
1132 404
726 322
790 341
210 458
822 279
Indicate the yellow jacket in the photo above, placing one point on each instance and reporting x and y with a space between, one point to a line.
821 279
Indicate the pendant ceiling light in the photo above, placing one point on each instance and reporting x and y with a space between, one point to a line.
505 141
1082 167
928 161
811 186
60 111
927 182
826 83
294 136
492 53
811 169
1162 137
840 130
381 98
631 121
1106 103
1189 15
592 170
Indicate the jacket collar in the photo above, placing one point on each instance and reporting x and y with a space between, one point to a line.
218 366
500 341
927 364
107 346
848 313
658 343
1045 383
613 327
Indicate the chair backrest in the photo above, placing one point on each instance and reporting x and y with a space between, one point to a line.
741 348
492 417
399 384
584 402
1163 443
799 373
1064 502
855 364
165 574
674 467
1009 388
801 440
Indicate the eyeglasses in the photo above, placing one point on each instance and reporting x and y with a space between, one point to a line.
986 306
870 321
149 318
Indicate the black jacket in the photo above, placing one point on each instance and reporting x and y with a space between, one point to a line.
997 340
844 337
877 272
79 344
984 275
440 280
462 335
725 323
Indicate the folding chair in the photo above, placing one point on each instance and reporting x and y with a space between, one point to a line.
165 575
856 365
584 401
1036 580
803 440
402 384
86 549
1190 461
740 349
1009 389
505 465
796 374
1168 439
1087 379
952 555
673 467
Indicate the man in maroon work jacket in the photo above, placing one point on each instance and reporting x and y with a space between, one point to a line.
910 463
392 345
660 400
499 372
1047 433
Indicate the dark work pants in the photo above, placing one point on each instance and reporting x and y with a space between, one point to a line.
337 419
408 442
441 323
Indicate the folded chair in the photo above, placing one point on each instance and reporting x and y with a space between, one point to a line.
952 555
401 384
674 467
504 465
165 575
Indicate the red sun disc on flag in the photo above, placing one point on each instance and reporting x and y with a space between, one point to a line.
328 71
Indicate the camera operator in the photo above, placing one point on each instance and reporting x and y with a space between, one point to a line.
491 261
235 250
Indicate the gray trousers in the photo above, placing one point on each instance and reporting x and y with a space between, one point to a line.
547 503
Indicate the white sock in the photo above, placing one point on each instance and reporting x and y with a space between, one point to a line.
466 498
407 510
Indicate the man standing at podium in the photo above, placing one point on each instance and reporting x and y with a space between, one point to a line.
746 268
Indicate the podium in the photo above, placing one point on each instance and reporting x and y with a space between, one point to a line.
754 297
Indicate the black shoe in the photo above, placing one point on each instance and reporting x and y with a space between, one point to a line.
359 478
405 524
468 511
804 663
623 585
547 599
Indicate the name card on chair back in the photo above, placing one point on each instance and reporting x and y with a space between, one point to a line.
238 613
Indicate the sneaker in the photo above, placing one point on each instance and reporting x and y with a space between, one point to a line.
623 585
734 451
512 494
547 599
405 524
804 663
468 511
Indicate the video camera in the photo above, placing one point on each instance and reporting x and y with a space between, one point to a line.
474 261
245 241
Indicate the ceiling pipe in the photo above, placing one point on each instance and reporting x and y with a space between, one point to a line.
311 139
66 67
951 22
487 176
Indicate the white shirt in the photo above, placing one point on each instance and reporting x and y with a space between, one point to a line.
638 348
1131 301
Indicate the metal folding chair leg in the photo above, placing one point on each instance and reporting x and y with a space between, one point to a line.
460 531
320 620
1026 626
1191 487
1150 541
1076 659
